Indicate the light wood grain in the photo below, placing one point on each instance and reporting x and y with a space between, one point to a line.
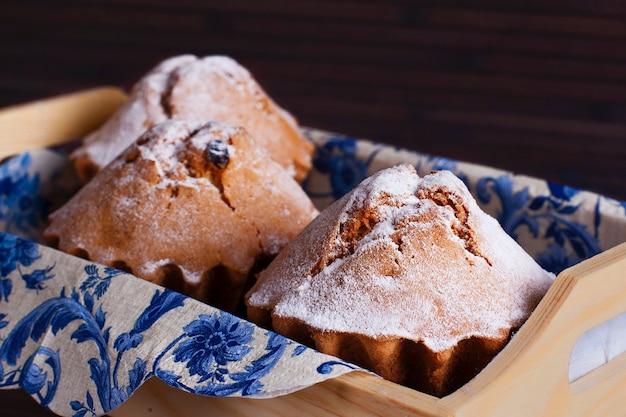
348 395
530 376
56 120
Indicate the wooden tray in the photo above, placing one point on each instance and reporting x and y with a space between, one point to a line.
528 378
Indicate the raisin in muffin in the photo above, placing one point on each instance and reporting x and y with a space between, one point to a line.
405 276
193 206
209 88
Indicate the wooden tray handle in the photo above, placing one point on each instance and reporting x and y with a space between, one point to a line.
56 120
530 377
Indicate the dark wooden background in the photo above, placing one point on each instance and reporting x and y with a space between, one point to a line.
537 87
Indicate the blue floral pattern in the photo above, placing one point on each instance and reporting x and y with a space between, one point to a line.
339 160
211 344
32 184
55 314
68 321
16 253
546 216
51 315
20 203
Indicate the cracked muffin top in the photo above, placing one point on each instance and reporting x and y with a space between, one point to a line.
403 256
186 201
210 88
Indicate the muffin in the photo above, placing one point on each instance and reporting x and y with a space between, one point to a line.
196 207
405 276
187 87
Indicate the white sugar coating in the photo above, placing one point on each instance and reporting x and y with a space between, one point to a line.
230 70
413 275
216 131
226 68
142 109
149 268
166 151
192 88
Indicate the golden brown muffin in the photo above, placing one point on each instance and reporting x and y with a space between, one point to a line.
405 276
188 87
192 206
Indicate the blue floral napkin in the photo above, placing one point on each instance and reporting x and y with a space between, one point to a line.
81 338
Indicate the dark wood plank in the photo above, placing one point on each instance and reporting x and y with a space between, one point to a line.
537 86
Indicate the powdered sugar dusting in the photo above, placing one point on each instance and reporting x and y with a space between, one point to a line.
149 268
172 140
165 151
192 88
423 262
142 110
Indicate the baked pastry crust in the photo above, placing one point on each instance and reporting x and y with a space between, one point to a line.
210 88
405 276
193 206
